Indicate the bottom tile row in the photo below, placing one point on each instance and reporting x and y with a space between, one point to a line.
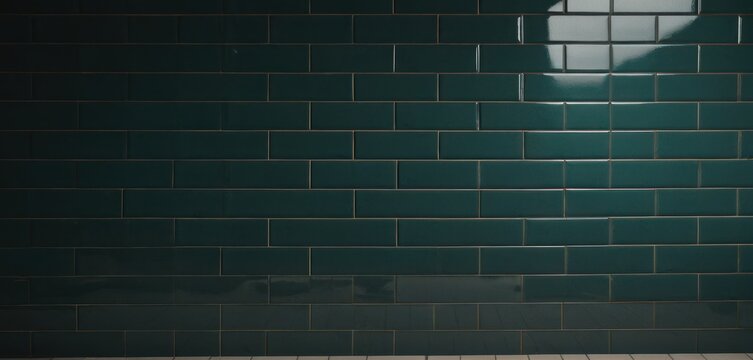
237 343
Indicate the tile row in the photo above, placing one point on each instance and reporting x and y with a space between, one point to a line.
541 316
369 87
408 342
373 203
145 233
406 289
372 145
377 29
434 174
376 7
634 58
376 261
385 115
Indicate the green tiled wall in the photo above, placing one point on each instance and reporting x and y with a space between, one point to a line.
336 177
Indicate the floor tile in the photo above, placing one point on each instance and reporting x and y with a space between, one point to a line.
686 356
740 356
651 357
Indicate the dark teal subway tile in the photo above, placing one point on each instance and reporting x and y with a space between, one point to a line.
435 58
150 7
587 58
519 316
78 344
332 233
352 58
568 145
726 287
15 28
648 6
350 7
727 173
746 259
460 232
530 203
316 87
372 317
588 116
633 29
522 6
521 116
158 261
654 341
478 29
726 58
266 116
610 260
149 343
438 175
436 116
566 87
396 87
696 87
632 145
310 289
295 204
726 6
148 317
402 261
153 29
352 116
512 260
607 316
395 145
265 261
79 87
240 174
265 7
353 174
746 146
309 342
310 145
124 174
14 291
101 290
220 232
698 144
16 233
456 317
80 29
567 232
436 6
654 116
195 87
101 233
265 58
521 174
37 174
265 317
311 29
519 58
373 289
405 203
654 174
609 203
588 6
724 340
36 262
221 289
67 203
197 145
181 203
654 231
542 29
480 145
697 29
15 145
696 315
586 174
633 87
242 343
147 58
192 343
218 29
654 58
696 202
725 116
395 29
372 342
16 87
78 145
149 116
38 116
479 87
746 30
458 289
456 342
570 342
696 259
557 288
654 287
737 230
